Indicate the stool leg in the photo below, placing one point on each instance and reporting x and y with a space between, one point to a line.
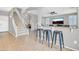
36 33
51 34
60 41
41 32
48 38
55 38
43 37
52 39
39 35
46 35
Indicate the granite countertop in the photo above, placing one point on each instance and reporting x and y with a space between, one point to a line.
59 25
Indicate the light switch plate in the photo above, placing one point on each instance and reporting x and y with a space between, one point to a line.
75 42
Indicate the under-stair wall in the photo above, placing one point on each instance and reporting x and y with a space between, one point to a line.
12 25
22 29
12 28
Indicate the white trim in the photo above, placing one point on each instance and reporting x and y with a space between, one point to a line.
14 25
71 48
11 34
3 31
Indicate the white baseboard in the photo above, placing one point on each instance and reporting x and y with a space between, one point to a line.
3 31
71 48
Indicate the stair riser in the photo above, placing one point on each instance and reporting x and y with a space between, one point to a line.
23 34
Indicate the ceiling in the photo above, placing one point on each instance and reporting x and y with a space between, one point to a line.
44 11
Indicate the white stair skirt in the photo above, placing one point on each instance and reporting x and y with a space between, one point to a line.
22 31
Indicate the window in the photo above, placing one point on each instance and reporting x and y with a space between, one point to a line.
50 20
58 21
72 20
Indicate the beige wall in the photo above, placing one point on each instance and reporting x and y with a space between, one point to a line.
11 27
33 21
3 23
78 17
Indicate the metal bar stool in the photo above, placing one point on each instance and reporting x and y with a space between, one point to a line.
44 33
48 34
61 41
39 34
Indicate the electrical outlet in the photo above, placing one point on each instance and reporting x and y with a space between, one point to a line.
75 42
71 30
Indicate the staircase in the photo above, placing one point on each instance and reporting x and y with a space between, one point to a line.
19 23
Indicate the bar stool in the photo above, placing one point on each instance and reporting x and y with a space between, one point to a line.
39 34
61 41
48 34
44 34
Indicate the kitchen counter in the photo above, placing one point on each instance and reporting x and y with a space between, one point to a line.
55 28
70 37
55 25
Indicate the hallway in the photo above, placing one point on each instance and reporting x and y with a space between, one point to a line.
23 43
